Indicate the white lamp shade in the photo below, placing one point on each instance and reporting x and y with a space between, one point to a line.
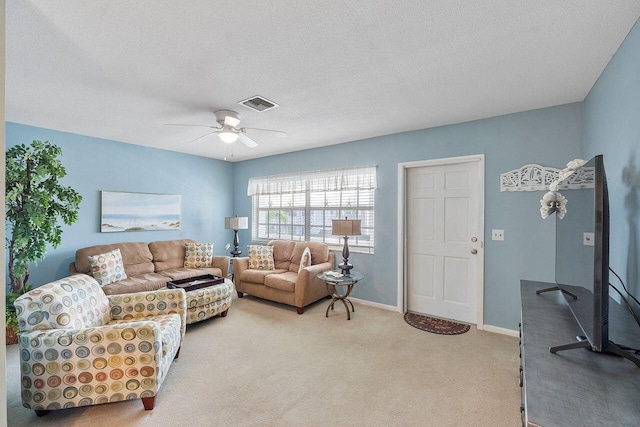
236 222
346 227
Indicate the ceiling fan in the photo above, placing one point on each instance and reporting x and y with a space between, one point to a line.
228 130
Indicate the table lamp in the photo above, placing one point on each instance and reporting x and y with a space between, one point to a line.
236 223
345 228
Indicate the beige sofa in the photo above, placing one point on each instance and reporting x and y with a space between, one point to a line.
148 266
285 284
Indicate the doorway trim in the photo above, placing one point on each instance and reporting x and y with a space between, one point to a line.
402 222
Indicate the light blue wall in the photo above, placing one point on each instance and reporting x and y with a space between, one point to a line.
612 128
550 137
94 164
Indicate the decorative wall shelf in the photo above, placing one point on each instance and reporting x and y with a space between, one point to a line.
538 178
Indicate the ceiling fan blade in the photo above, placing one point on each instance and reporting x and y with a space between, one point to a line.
247 141
200 137
275 132
182 124
231 121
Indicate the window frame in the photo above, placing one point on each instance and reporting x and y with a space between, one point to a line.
299 189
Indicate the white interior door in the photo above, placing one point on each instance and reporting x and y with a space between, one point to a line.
444 240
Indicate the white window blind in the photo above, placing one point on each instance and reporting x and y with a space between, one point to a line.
301 206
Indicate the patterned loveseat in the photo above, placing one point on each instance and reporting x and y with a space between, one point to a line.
81 347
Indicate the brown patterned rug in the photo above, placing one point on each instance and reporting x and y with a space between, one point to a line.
435 325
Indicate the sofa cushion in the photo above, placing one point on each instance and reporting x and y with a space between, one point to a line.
136 257
198 255
283 281
260 257
257 276
185 273
168 254
107 267
282 250
319 254
139 283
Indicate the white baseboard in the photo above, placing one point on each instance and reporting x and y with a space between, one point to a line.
374 304
499 330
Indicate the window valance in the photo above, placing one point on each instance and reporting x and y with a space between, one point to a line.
360 178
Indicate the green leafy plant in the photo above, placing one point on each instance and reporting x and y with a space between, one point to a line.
35 202
11 316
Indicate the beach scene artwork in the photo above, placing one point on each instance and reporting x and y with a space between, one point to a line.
139 212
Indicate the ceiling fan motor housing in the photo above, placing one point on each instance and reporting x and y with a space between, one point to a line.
221 117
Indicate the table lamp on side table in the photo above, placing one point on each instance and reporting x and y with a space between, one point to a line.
236 223
345 228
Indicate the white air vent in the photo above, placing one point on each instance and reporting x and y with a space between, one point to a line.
258 103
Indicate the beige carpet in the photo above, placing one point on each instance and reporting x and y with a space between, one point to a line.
264 365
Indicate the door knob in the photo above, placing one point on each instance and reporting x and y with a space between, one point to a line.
474 251
474 239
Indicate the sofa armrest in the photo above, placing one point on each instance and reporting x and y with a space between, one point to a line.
83 360
72 269
307 282
314 270
141 305
221 262
239 265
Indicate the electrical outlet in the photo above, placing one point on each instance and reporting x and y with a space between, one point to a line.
587 239
497 234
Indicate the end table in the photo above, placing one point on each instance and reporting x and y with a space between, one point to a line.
334 279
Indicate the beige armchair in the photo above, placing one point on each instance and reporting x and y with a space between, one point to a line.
285 284
80 347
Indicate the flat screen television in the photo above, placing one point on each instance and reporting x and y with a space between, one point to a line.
582 257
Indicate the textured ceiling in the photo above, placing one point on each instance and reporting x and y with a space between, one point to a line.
340 70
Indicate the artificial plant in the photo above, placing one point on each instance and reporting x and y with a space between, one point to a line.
35 203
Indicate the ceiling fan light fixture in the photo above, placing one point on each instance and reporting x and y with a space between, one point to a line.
228 136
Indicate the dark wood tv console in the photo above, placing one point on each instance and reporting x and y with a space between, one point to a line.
574 387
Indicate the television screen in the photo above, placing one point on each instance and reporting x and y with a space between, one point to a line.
582 248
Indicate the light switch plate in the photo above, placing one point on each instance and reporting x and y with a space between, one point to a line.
497 234
587 239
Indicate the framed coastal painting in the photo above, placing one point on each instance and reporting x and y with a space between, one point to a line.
139 211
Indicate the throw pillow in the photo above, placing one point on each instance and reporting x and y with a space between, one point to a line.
198 255
305 261
261 257
108 267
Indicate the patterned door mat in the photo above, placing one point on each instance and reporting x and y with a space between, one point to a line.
435 325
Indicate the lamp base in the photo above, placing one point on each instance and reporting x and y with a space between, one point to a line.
345 268
236 242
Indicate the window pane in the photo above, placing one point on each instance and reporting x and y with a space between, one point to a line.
262 217
287 200
298 233
349 213
333 198
316 217
285 232
366 217
349 198
365 198
298 217
299 200
285 217
329 215
316 200
263 201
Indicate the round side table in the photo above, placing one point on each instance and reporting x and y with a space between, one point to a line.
334 279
